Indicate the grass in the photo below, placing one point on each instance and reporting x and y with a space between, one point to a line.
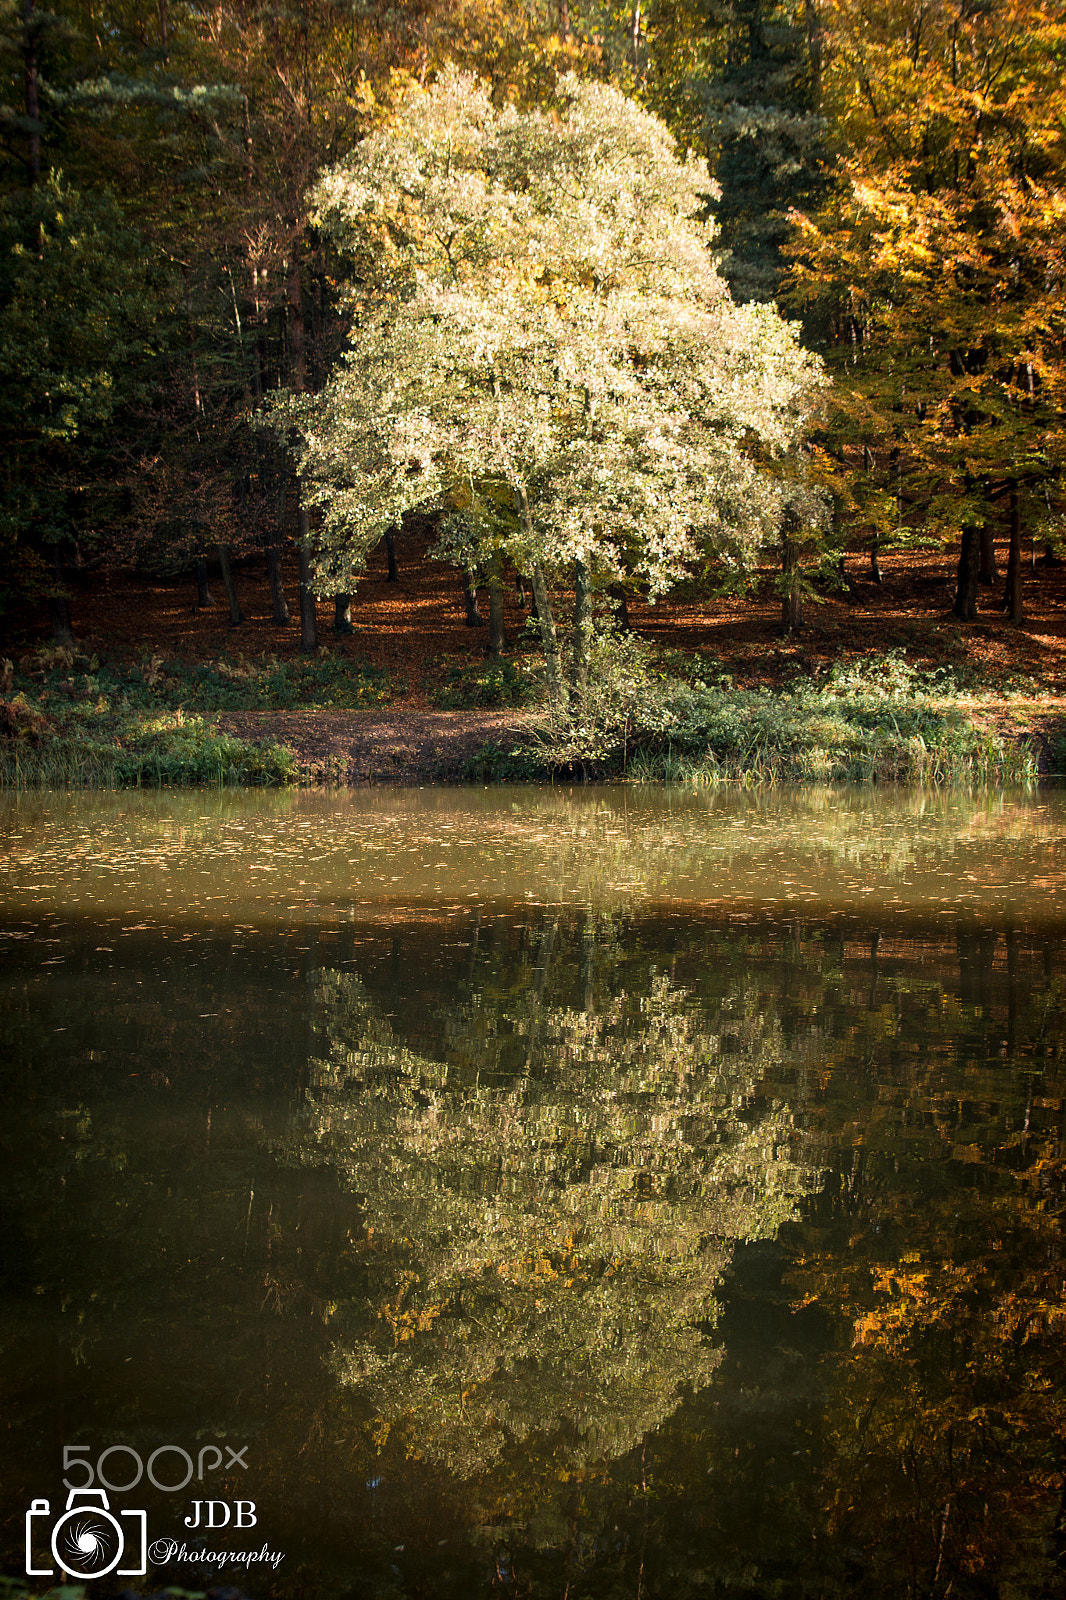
650 717
485 684
66 721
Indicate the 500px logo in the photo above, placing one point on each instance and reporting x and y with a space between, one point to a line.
95 1472
88 1540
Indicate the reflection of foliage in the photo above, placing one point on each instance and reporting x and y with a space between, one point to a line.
945 1438
545 1248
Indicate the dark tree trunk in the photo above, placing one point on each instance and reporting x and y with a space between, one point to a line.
792 592
236 615
986 572
497 634
549 638
1012 598
298 356
1049 558
390 552
59 607
965 607
277 588
203 593
473 615
617 593
579 672
30 34
342 613
308 612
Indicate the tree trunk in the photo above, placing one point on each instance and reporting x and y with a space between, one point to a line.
236 616
617 593
497 634
390 552
277 588
875 544
30 34
59 607
298 356
548 638
473 615
579 672
342 613
792 592
986 572
965 607
203 593
1012 598
308 613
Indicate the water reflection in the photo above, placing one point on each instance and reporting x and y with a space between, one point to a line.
548 1210
600 1194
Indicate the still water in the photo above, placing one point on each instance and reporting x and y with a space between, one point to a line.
598 1194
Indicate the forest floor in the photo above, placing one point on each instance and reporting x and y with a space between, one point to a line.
1013 678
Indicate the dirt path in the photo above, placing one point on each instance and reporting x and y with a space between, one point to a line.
389 746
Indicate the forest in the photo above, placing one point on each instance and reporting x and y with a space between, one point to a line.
719 303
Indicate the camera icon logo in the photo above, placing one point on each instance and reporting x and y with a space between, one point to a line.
86 1540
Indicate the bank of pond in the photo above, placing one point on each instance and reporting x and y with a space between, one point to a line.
68 721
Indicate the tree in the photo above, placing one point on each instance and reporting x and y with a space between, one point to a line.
76 316
933 274
767 137
541 341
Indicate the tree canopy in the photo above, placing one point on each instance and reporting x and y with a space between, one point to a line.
541 342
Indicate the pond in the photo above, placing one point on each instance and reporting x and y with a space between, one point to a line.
593 1193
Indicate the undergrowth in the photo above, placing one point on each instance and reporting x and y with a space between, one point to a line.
485 684
68 722
877 721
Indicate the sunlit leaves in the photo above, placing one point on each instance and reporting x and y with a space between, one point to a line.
545 314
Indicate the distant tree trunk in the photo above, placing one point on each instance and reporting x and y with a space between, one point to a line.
875 543
1049 558
390 552
792 593
987 570
203 593
564 20
30 34
497 633
298 355
617 593
236 615
308 610
579 673
342 613
1012 598
473 615
548 636
965 607
59 607
277 587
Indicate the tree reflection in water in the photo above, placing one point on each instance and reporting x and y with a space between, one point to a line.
544 1230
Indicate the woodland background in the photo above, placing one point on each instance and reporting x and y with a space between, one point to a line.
888 173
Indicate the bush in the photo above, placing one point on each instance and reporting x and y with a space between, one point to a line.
488 684
67 729
878 722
